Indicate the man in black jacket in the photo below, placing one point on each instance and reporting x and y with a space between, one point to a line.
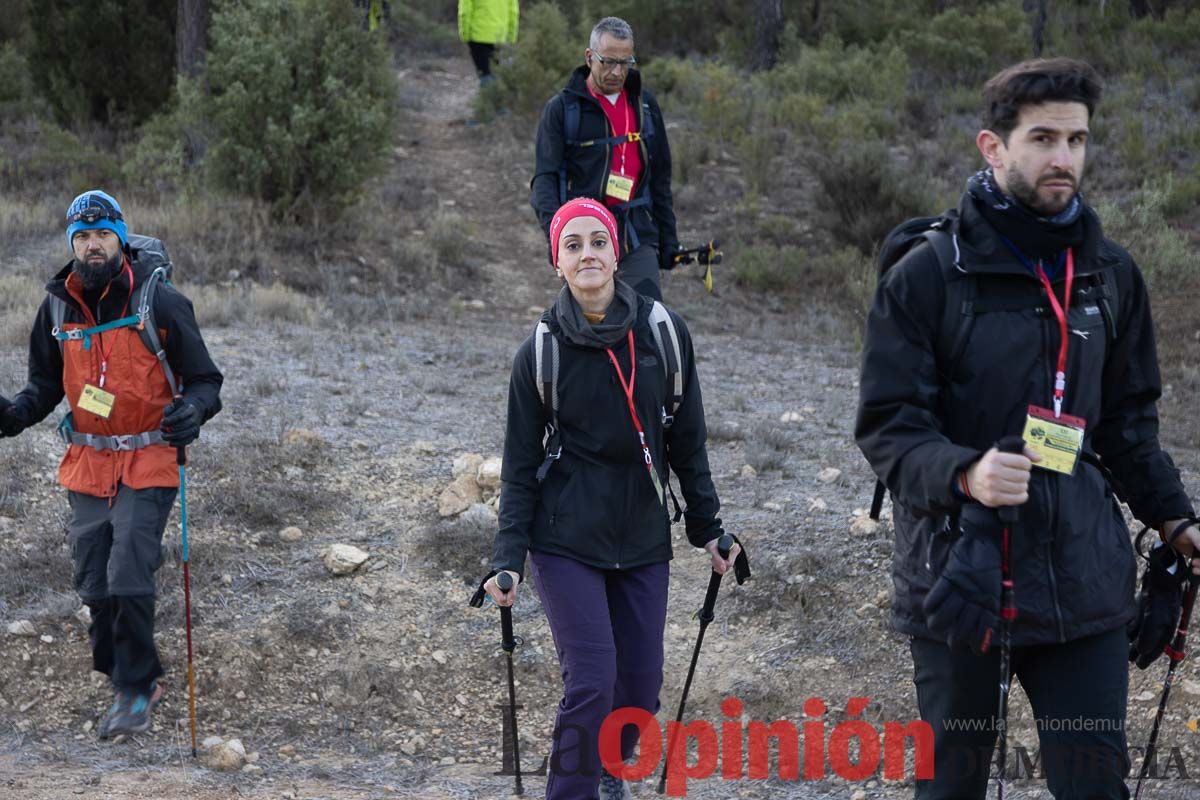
1061 345
603 137
130 412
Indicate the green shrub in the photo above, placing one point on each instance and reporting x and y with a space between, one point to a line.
1183 195
768 267
106 61
864 193
1165 255
16 84
837 72
536 68
963 47
301 105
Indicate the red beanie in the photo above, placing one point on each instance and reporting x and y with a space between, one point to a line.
581 207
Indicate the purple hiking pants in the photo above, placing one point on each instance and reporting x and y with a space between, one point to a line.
608 631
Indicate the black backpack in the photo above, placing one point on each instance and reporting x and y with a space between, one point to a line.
964 299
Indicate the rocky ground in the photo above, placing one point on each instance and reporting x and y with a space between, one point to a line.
382 682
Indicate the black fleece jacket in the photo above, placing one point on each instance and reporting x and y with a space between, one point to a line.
597 503
920 424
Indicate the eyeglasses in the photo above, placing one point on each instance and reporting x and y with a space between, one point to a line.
93 214
610 64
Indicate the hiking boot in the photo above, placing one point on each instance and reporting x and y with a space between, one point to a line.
131 712
119 702
613 788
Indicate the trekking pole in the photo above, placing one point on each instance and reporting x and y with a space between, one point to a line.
1009 515
706 255
504 583
724 545
1175 651
181 460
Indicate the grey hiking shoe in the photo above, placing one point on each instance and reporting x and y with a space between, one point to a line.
613 788
130 713
119 701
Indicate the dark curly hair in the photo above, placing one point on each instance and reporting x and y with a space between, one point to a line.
1040 80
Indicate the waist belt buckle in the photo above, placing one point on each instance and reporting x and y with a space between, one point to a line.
123 442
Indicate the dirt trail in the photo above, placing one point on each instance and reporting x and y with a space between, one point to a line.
384 684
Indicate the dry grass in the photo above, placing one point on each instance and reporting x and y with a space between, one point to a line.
249 303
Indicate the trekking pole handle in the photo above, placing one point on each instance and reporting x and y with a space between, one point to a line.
724 545
1010 444
504 583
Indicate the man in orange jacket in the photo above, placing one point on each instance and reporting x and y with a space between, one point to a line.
125 424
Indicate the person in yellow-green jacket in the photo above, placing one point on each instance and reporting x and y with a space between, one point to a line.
483 24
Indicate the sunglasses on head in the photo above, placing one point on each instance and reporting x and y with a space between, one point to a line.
93 214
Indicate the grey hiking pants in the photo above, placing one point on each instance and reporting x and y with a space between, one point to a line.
116 550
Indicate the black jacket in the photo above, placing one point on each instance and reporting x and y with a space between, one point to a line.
597 503
1074 568
185 349
588 167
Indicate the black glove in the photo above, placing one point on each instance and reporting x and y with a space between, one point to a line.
963 607
1159 604
10 423
181 423
667 255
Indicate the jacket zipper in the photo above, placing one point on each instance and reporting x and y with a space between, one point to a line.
1052 499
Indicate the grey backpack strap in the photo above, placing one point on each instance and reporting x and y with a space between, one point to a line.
148 326
58 315
545 358
666 338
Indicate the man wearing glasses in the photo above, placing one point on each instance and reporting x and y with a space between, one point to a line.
603 137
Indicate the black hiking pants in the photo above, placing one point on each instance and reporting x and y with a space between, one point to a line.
482 54
1077 692
116 550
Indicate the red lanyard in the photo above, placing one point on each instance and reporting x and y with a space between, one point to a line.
628 130
1060 311
628 387
100 336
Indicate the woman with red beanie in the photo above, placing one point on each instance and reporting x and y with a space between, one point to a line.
583 491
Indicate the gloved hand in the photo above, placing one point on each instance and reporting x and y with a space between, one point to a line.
667 254
1159 604
10 423
963 607
181 423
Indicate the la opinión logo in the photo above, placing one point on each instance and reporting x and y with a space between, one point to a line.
743 749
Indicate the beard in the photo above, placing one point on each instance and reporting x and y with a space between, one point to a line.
1027 192
97 276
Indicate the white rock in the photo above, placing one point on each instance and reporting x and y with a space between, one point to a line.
84 615
47 638
817 504
481 514
770 506
474 305
488 475
829 475
466 464
21 627
439 656
226 756
749 471
1190 686
413 746
291 534
791 417
460 495
211 742
342 559
859 794
251 769
865 526
1145 696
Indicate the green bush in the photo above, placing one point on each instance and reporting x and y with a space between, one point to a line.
769 267
864 193
106 61
1165 255
301 105
536 68
961 47
16 85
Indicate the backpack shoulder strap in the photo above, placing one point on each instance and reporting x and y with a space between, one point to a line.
545 359
148 325
570 139
58 315
666 338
